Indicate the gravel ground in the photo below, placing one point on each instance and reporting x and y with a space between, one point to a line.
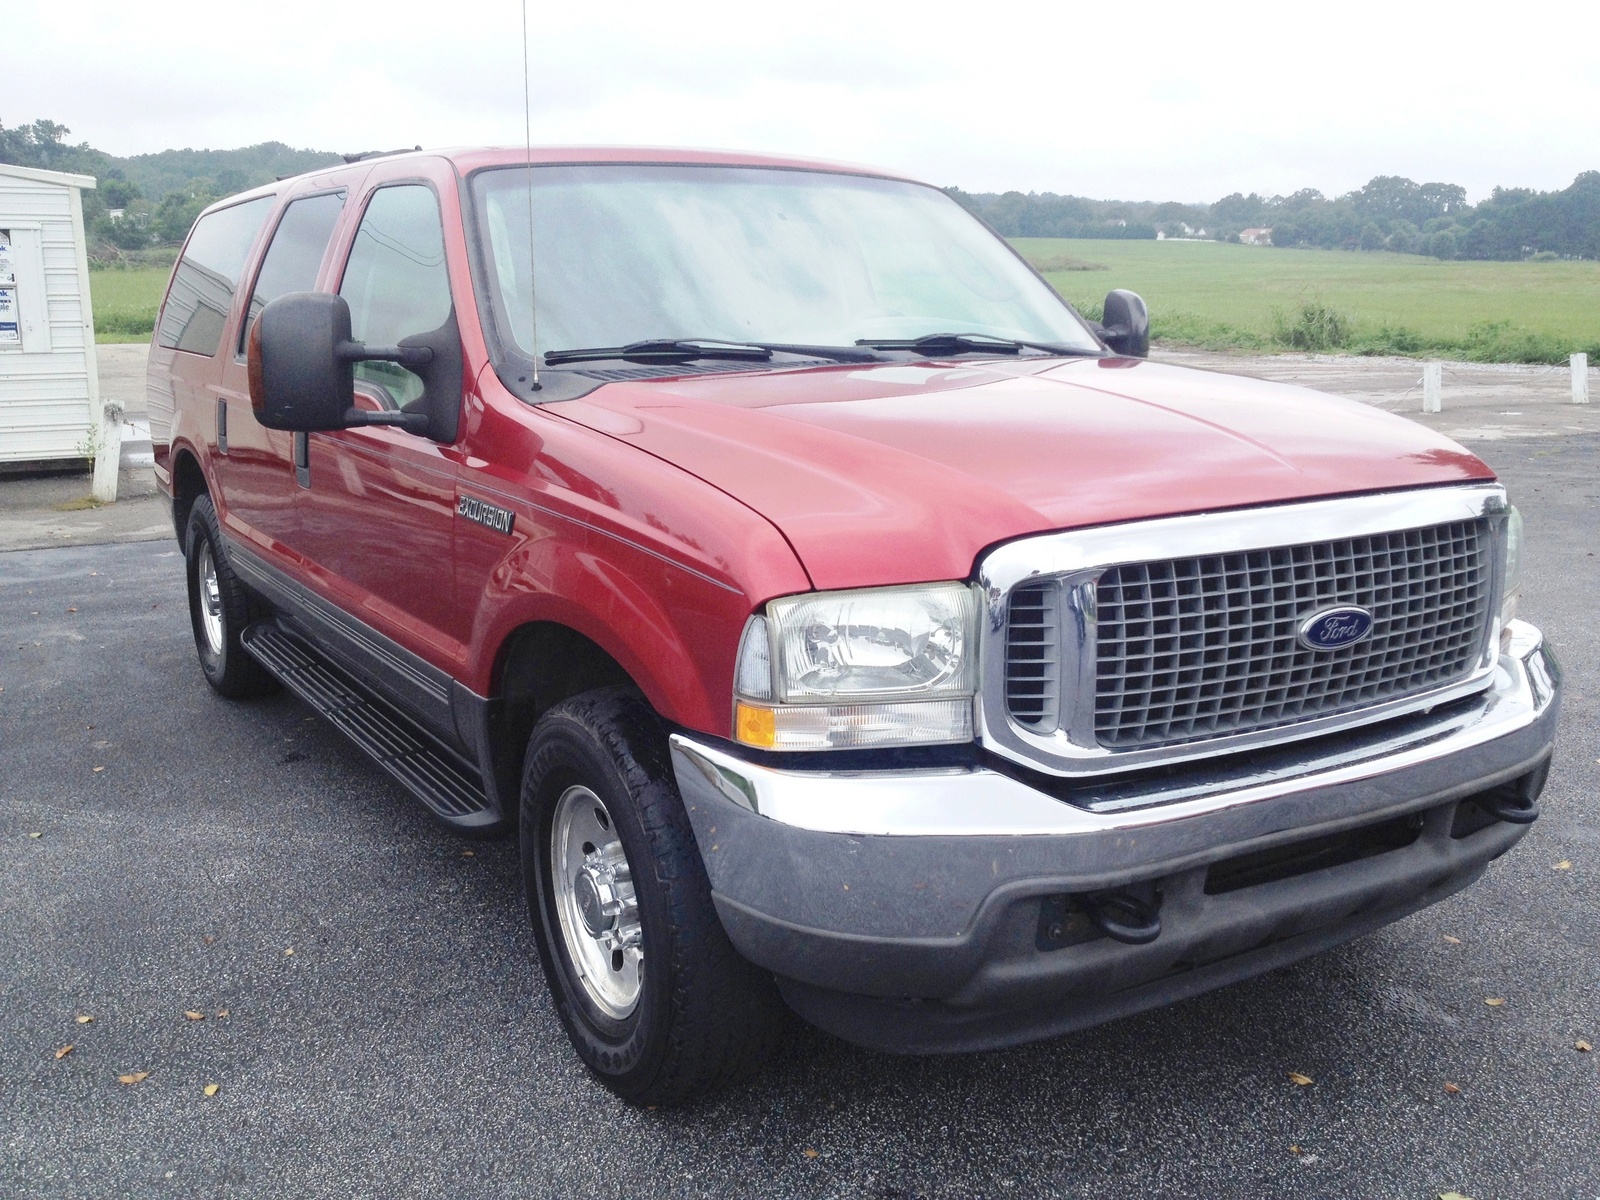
187 845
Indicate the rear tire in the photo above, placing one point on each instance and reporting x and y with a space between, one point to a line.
657 1002
220 608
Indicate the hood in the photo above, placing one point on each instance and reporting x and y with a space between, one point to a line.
905 473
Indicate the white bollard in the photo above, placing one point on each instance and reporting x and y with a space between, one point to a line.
1580 379
108 458
1432 388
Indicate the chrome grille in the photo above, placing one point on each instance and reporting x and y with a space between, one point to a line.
1192 648
1033 645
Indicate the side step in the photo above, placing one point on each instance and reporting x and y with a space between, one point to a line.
452 794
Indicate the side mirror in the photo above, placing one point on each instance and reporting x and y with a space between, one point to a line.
301 367
1125 324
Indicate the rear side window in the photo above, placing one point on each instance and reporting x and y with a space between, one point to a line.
202 289
396 282
292 259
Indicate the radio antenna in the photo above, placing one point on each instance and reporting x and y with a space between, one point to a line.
527 143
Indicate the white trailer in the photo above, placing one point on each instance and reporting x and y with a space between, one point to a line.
49 387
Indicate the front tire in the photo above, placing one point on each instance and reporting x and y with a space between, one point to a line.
657 1002
220 608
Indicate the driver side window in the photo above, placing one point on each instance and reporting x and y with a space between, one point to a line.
396 284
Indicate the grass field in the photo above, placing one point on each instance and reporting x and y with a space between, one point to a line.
1225 296
125 302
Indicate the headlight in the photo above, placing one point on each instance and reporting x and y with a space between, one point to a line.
1511 585
877 667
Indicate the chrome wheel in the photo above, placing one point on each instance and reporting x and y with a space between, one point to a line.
210 598
595 903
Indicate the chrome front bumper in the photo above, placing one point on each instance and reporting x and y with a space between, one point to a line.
901 909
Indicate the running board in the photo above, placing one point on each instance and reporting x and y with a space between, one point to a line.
395 743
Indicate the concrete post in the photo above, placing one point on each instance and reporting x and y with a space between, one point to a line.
1580 379
1432 387
108 458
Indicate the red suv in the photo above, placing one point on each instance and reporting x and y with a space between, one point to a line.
838 616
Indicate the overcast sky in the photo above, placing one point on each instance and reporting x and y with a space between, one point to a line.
1128 101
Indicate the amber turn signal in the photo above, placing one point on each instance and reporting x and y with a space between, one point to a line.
755 726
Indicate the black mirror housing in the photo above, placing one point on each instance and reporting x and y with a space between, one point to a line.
1125 324
298 380
302 376
443 379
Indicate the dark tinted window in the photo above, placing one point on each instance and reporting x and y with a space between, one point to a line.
202 289
395 282
295 254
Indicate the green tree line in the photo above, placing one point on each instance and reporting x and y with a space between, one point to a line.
1389 213
155 197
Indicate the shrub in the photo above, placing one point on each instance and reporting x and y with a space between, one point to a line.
1390 339
1312 326
125 320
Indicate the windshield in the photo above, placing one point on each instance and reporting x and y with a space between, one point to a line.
629 253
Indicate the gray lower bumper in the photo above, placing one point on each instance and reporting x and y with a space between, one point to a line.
903 909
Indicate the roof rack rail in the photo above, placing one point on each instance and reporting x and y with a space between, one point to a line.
366 154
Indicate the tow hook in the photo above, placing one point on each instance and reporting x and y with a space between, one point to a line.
1126 915
1516 802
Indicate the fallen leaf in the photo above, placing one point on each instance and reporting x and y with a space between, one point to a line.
133 1077
809 1153
1452 1089
1294 1149
1297 1078
84 1019
1454 941
63 1052
209 939
213 1088
72 610
1494 1001
1453 1196
469 854
289 953
36 835
222 1012
97 770
1564 865
195 1016
1581 1046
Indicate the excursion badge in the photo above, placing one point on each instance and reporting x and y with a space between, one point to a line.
490 516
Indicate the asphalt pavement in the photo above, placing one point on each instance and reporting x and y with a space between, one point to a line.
374 1020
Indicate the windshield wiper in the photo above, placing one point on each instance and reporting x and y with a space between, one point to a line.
940 345
666 351
670 351
844 354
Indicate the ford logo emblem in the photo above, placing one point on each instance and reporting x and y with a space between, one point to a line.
1335 628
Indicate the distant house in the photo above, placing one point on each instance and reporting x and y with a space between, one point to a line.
1256 237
